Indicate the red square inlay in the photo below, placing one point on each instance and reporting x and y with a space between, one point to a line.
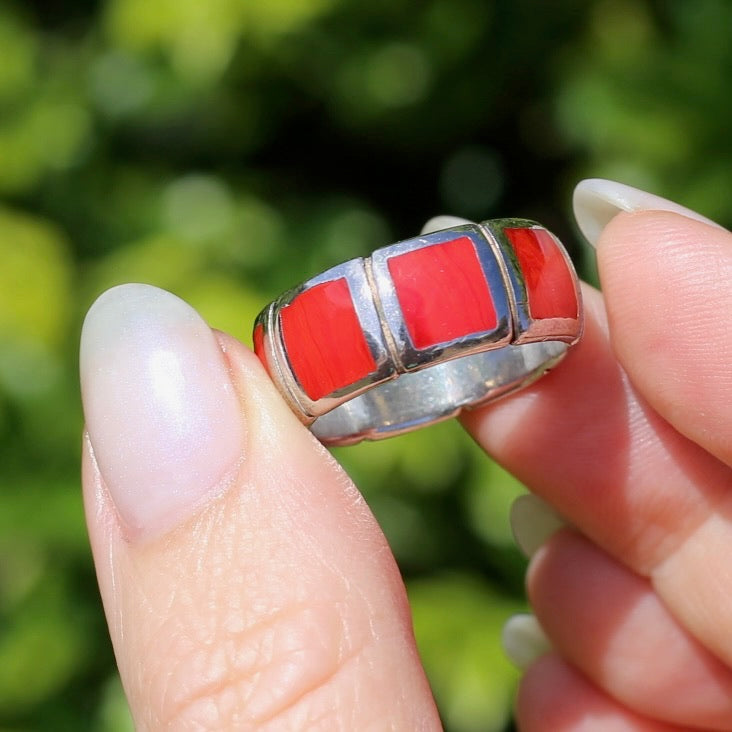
443 292
549 283
324 339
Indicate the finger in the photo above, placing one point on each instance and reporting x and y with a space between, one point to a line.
609 623
675 350
553 696
587 442
590 443
597 201
673 343
244 579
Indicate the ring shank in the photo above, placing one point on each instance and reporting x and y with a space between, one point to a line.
438 392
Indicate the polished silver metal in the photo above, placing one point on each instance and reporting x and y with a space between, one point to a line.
414 387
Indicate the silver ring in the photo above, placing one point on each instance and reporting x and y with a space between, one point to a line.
421 329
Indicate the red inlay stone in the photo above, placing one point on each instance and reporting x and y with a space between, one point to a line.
549 283
324 340
258 338
443 292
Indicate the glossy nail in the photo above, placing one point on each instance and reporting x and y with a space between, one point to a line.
162 416
524 641
438 223
596 201
533 521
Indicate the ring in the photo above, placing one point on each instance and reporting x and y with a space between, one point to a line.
421 329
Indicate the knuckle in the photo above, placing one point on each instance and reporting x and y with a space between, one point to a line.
286 670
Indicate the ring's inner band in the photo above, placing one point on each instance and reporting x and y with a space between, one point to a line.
437 392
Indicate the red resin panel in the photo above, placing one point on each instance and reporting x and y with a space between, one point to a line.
324 339
258 338
549 283
443 292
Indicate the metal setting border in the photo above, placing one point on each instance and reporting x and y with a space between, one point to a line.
274 357
412 358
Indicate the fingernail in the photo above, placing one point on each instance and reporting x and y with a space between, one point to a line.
161 412
596 201
533 521
524 641
438 223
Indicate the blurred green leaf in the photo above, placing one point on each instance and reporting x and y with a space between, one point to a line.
489 494
228 150
35 280
163 260
225 304
20 48
114 712
458 621
41 646
35 304
47 512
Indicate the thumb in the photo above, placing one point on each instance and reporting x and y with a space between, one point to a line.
245 582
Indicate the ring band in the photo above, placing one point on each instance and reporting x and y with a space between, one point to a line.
421 329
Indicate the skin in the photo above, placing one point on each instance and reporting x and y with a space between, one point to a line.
277 604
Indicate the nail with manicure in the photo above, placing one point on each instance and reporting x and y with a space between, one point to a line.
533 521
163 419
524 641
596 201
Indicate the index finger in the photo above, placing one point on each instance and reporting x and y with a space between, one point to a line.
589 443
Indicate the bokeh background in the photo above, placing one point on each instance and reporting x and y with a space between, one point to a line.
228 149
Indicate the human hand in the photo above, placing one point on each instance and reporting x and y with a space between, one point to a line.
247 585
631 442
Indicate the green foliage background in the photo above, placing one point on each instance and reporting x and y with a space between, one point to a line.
229 149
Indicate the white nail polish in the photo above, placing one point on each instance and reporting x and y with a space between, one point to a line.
533 521
524 641
596 201
438 223
161 412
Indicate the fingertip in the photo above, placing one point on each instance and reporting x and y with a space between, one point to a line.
554 696
597 202
665 279
163 422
